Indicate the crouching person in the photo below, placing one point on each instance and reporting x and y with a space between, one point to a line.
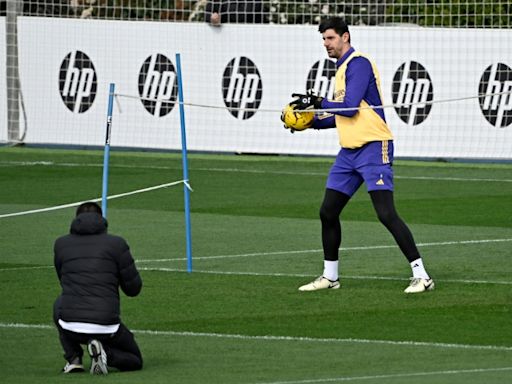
91 266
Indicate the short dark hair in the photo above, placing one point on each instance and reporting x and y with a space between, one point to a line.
89 206
336 23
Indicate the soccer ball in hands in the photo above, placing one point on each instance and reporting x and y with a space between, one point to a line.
297 121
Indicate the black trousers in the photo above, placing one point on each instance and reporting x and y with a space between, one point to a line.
122 351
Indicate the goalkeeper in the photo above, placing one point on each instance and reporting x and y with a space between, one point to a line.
366 155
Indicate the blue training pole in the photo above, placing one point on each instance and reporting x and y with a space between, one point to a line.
106 152
185 165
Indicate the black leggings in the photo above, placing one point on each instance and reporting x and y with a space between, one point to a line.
330 211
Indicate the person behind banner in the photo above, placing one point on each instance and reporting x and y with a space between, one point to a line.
91 266
218 12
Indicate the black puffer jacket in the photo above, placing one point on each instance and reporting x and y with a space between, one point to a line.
91 266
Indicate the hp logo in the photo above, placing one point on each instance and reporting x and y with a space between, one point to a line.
497 109
412 92
77 82
242 87
158 82
321 78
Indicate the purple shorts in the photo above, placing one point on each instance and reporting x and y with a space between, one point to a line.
371 163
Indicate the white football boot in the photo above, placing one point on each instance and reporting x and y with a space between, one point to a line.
419 285
320 283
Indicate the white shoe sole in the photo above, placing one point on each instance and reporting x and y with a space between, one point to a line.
98 358
429 287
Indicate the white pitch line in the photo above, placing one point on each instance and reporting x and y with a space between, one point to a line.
342 249
406 343
451 179
277 274
25 268
390 376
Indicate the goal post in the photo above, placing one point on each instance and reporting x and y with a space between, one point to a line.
13 9
184 154
184 158
106 150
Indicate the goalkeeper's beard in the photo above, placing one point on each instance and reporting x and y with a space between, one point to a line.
331 53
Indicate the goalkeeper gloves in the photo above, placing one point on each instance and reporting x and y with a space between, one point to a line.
307 101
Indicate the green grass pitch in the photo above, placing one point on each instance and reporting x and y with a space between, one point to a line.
238 318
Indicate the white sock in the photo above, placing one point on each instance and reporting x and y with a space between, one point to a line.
418 270
331 270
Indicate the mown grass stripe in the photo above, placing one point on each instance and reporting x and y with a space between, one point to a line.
239 170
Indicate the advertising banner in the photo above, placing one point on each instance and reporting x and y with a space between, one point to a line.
237 78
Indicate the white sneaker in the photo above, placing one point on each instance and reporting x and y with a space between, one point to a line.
73 366
98 358
419 284
320 283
